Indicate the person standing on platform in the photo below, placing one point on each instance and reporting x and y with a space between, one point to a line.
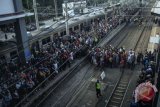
98 89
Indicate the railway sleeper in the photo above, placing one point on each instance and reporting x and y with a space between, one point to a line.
118 94
121 88
112 106
123 82
120 91
115 102
123 85
116 97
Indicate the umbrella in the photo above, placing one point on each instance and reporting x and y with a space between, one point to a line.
145 92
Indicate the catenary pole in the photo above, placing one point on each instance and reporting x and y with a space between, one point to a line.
66 10
35 13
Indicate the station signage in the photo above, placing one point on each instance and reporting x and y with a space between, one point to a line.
154 40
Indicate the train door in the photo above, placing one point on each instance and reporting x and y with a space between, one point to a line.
2 60
35 47
76 28
81 26
45 42
14 56
63 33
70 30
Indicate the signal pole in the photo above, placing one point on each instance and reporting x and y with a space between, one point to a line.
66 10
56 10
35 13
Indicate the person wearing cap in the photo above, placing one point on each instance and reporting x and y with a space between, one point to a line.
98 89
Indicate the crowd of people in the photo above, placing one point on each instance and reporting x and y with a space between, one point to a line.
146 76
110 56
18 79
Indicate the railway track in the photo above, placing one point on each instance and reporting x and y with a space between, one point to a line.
120 90
142 45
91 72
53 96
80 82
116 39
116 42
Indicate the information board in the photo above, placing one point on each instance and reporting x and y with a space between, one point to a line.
154 40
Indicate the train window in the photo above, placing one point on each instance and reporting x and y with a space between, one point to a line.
70 29
13 54
61 33
76 27
56 34
2 59
64 33
46 40
81 26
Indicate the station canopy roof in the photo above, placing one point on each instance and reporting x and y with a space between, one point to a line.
156 9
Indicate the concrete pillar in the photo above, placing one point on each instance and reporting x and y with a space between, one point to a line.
21 34
22 40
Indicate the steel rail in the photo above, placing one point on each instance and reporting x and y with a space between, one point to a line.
136 46
120 80
143 35
121 39
74 97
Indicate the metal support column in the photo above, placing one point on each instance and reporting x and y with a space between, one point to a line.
21 34
66 10
36 15
55 6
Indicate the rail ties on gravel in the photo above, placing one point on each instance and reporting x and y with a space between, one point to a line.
117 97
119 92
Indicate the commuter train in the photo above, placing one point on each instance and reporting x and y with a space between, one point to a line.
9 48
